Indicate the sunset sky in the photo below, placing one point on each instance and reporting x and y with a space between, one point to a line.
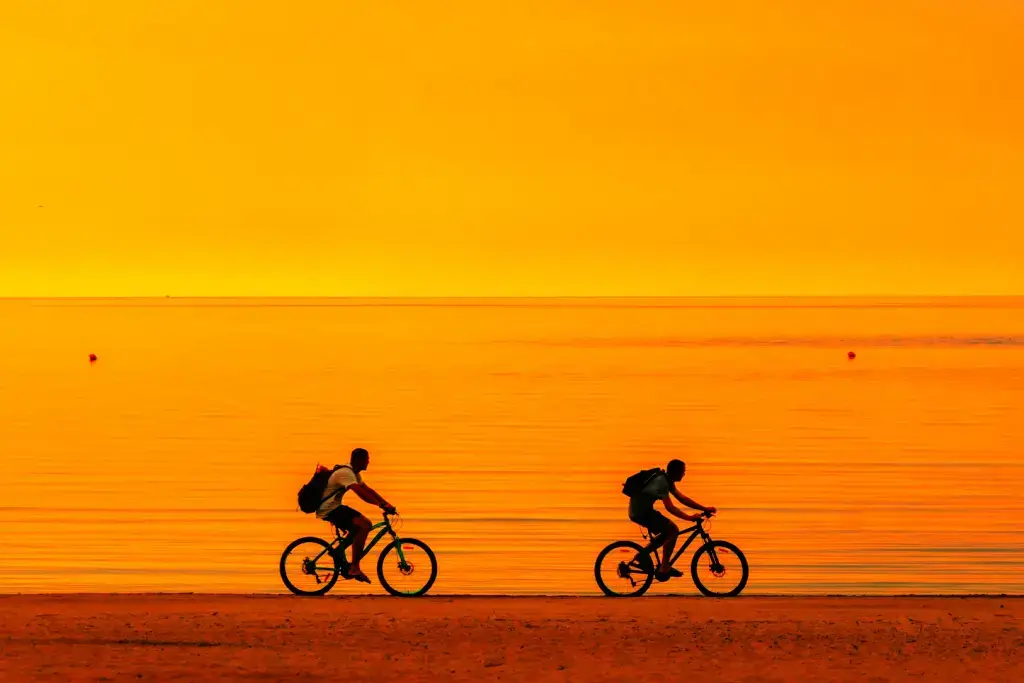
518 148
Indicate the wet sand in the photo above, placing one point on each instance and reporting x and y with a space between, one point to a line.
269 638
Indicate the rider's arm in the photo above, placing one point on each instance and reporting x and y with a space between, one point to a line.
690 502
383 503
369 495
671 507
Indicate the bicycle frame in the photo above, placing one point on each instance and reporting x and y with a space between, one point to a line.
344 542
657 542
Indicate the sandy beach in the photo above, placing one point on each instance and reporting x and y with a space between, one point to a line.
228 637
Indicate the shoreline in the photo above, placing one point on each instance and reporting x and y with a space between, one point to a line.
532 596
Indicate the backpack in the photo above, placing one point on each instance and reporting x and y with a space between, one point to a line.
634 485
311 495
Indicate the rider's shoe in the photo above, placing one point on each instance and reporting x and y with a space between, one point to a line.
672 573
360 577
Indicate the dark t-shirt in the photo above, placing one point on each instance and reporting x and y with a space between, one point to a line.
656 489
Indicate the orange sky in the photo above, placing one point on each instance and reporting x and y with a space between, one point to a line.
529 148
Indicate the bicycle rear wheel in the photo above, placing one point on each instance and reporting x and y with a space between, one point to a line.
719 569
623 569
308 567
409 573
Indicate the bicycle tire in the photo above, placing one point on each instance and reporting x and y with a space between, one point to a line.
383 557
316 540
645 564
706 548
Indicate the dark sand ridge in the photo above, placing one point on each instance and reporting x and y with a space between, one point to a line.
267 638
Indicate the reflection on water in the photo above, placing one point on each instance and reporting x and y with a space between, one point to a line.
503 430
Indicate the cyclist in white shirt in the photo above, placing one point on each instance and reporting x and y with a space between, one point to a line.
344 479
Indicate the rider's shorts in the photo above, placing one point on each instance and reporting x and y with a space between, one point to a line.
653 520
342 516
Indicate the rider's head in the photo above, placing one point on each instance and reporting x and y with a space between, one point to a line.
360 459
675 470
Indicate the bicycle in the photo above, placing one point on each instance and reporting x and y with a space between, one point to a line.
320 563
631 568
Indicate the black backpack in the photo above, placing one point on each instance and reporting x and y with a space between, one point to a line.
635 484
311 495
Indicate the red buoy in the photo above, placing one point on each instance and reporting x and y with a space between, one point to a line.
92 357
851 355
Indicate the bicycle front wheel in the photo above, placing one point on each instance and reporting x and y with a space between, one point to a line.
407 568
623 569
308 567
719 569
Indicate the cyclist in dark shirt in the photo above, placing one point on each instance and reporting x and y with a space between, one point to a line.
662 486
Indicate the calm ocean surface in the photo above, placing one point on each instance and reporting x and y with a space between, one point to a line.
502 430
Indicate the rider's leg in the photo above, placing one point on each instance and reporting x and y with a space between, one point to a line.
668 544
359 527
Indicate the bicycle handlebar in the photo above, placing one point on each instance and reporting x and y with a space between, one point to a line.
704 516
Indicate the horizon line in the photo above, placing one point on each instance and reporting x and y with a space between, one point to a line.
160 297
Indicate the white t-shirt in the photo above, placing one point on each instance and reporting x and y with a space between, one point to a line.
337 485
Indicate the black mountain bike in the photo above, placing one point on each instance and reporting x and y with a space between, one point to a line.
311 566
718 568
